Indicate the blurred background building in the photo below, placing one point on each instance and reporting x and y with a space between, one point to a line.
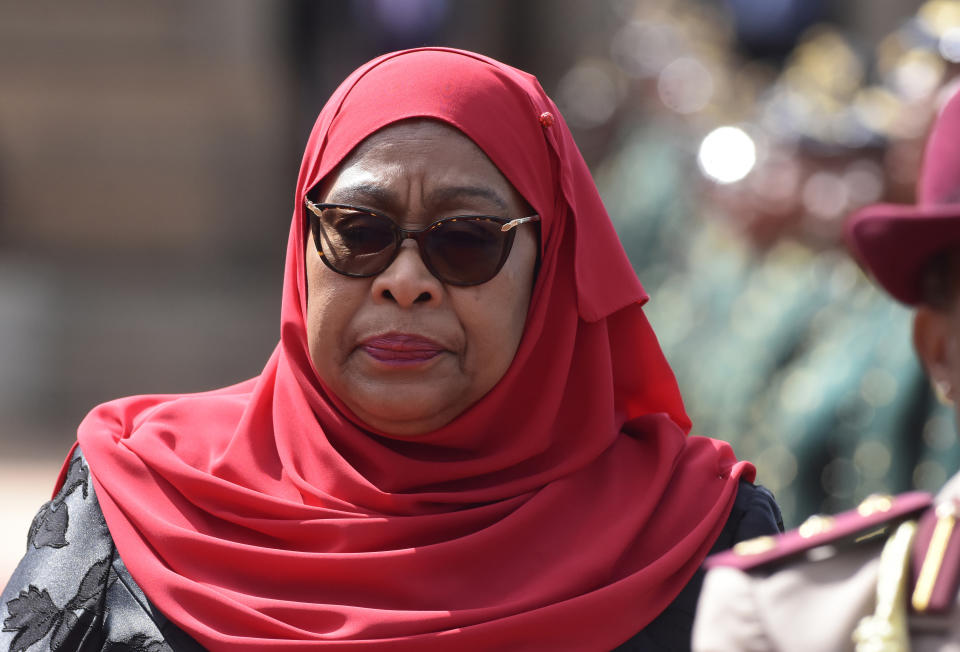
148 155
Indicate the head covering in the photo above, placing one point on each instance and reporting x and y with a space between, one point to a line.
564 510
894 242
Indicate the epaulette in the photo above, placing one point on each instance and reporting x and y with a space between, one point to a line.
935 560
875 517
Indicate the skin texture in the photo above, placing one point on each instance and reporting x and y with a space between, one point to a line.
416 172
936 338
936 327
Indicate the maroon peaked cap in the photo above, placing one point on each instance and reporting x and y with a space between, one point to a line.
894 242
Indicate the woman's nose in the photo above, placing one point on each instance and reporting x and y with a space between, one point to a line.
407 281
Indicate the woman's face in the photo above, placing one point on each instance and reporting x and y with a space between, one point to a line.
404 351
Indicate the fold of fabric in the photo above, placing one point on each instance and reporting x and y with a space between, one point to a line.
563 510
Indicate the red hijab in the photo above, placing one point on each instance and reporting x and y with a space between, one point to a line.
564 510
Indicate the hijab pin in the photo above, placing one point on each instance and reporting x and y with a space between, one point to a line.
546 119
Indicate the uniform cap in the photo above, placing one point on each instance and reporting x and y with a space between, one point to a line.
894 242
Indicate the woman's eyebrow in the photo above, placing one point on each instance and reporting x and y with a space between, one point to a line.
363 192
371 192
452 193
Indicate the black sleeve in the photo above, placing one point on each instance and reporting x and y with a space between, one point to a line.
71 592
754 513
54 599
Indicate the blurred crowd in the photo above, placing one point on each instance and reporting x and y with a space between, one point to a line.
729 178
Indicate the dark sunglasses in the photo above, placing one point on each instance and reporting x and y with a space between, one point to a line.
460 250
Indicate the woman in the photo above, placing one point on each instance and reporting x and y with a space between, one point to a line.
467 437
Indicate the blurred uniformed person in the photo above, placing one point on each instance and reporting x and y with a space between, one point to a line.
885 576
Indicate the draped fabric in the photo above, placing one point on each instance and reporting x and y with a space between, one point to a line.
563 510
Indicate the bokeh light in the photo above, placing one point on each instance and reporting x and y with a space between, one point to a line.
685 85
644 48
825 196
918 74
727 154
950 45
588 94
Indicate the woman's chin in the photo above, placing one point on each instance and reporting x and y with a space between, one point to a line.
406 397
406 410
408 425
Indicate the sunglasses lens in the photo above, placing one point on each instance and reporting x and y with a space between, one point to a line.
467 251
354 242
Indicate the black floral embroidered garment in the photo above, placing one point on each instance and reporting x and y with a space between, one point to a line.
72 592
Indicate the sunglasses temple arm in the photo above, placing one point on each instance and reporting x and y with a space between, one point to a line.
313 208
520 220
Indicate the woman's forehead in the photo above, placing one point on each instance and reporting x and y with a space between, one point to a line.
411 130
453 167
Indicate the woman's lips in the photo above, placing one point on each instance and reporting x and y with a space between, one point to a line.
401 349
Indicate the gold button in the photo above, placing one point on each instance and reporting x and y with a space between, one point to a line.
875 503
816 524
755 546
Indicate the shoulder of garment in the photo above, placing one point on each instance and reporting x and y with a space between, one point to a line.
754 513
869 522
71 591
817 585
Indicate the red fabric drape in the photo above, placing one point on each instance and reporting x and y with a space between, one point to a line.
564 510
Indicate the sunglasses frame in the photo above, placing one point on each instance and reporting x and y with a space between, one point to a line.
400 234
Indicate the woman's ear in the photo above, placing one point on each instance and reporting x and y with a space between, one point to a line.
935 341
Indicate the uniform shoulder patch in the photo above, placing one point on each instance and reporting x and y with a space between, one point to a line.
874 517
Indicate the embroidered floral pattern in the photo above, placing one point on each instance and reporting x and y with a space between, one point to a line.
33 613
33 616
138 643
49 527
